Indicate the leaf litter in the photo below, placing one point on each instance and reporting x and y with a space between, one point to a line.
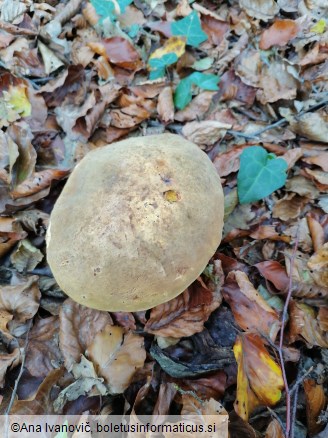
246 81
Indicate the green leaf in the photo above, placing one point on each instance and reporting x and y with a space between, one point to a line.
190 28
165 60
182 94
205 81
133 30
106 8
260 174
157 74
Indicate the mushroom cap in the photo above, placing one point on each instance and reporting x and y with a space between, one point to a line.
136 223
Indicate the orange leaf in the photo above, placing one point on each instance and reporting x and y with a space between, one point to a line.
259 379
315 403
250 310
274 430
279 34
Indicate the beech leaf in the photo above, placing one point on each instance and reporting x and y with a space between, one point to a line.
260 174
190 27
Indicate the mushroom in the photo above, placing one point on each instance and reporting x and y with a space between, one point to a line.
136 223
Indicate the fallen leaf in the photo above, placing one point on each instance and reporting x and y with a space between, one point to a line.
165 105
312 125
228 162
118 51
78 327
43 354
302 186
315 403
262 9
292 156
318 263
250 310
274 430
277 81
190 28
216 30
207 132
20 302
304 323
116 356
26 257
186 314
174 45
196 108
321 160
232 87
8 361
288 207
259 380
278 34
41 403
207 387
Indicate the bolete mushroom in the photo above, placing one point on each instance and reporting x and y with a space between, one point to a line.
136 223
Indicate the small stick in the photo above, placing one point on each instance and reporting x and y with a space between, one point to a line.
281 339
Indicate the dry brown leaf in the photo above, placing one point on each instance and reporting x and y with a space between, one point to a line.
292 156
278 34
313 125
78 327
8 361
116 356
129 116
274 430
207 132
248 67
301 230
319 178
232 87
302 186
41 403
21 301
277 81
43 352
318 263
118 51
216 30
196 108
250 310
262 9
274 272
186 314
315 403
165 105
288 207
37 182
316 231
304 323
321 160
228 162
268 232
211 386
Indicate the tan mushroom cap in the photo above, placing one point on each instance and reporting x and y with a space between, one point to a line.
136 223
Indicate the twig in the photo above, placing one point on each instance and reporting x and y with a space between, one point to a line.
300 380
282 331
13 394
274 415
280 122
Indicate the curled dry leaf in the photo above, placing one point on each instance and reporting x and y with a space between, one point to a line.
316 231
304 323
268 232
11 231
116 356
207 132
274 430
41 403
262 9
78 327
292 156
232 87
279 34
186 314
216 30
250 310
323 318
118 51
37 182
43 350
318 262
302 186
313 126
211 386
202 413
228 162
20 303
196 108
288 207
259 380
26 257
315 403
165 105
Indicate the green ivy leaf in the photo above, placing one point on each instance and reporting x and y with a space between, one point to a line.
190 27
205 81
159 64
106 8
260 174
183 92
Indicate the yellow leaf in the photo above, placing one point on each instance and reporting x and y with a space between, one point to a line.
17 100
259 379
319 27
172 45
